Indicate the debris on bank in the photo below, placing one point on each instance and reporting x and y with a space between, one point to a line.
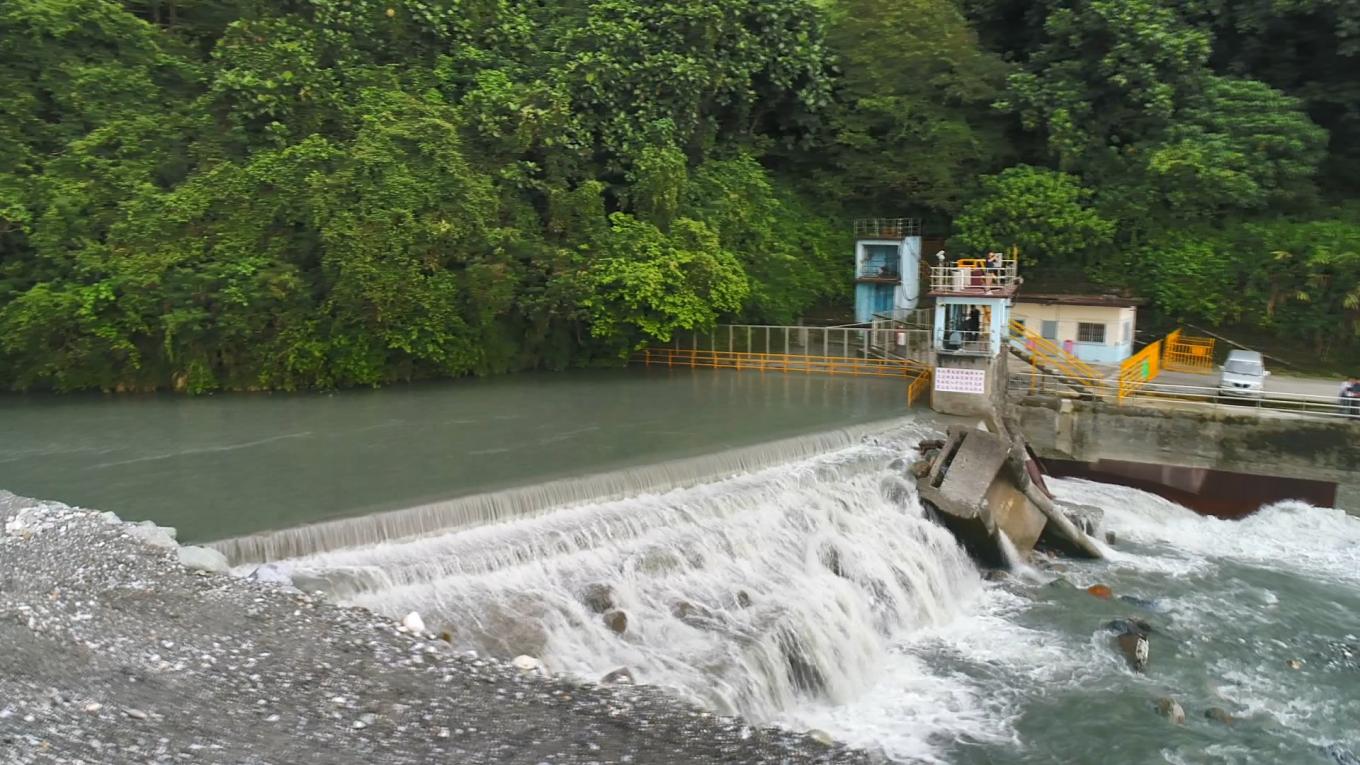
121 646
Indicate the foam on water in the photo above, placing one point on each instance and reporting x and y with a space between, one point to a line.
1316 541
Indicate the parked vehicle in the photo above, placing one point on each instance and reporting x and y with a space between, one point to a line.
1244 375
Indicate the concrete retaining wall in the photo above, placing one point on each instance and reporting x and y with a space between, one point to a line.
1269 444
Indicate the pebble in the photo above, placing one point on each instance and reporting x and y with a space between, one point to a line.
135 714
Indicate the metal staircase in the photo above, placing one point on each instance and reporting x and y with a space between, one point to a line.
1048 357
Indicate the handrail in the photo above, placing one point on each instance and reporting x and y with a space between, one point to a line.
1052 354
972 276
1302 404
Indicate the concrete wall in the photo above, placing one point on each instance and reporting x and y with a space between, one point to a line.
1285 446
1118 344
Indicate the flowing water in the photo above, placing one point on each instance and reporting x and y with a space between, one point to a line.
794 579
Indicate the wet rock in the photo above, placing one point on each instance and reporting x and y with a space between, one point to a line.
509 627
1135 648
693 615
1129 626
413 623
1144 603
271 573
743 599
620 676
616 621
931 444
1294 664
831 558
996 575
1061 583
1218 714
1171 709
202 559
1085 517
527 664
150 533
599 597
447 634
135 714
821 737
803 673
1110 537
1341 755
920 469
1100 591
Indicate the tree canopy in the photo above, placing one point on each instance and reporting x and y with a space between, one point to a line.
229 194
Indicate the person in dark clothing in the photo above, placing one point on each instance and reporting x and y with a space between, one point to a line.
1349 398
972 326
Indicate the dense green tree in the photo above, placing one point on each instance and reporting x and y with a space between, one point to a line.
1045 215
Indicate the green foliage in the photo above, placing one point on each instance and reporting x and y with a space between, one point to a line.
1044 214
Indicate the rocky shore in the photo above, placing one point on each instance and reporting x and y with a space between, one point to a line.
115 652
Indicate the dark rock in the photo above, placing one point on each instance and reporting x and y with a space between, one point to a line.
1341 755
1109 537
1129 627
743 599
1218 714
996 575
803 673
929 444
1085 517
1134 646
831 558
620 676
1168 707
920 469
616 621
1144 603
599 597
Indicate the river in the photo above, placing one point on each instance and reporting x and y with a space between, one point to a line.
802 586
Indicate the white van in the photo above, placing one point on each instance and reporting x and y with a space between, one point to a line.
1244 375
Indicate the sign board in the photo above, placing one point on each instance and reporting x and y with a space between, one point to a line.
949 380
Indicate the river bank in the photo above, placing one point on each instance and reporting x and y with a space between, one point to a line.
116 653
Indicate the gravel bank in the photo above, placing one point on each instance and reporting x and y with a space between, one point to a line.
113 652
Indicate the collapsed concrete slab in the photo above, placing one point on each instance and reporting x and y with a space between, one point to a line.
985 488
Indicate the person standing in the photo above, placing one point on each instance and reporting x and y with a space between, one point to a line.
1348 400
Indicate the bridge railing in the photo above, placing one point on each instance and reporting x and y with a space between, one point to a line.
1188 396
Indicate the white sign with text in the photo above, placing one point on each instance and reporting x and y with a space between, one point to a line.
948 380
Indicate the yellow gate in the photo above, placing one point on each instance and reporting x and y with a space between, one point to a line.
1140 369
1188 354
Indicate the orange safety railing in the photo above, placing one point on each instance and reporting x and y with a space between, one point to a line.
1181 353
855 366
1052 355
1140 369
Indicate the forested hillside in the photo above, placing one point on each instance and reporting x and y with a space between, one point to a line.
238 194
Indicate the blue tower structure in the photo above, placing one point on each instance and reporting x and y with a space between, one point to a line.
887 267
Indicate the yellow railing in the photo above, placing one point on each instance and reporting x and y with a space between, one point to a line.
1140 369
917 374
1052 355
1188 354
919 385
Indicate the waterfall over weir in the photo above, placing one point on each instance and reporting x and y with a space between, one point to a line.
784 582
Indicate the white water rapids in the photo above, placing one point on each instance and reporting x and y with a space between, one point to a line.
808 589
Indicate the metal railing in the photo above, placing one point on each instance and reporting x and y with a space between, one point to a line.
888 272
1139 370
887 228
972 277
1044 352
873 341
965 343
1190 397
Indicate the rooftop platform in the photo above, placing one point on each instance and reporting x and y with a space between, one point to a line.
887 228
971 278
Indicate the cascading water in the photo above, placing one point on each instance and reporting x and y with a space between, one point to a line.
750 594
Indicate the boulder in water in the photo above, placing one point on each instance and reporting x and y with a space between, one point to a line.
620 676
1100 591
996 575
1169 708
202 559
156 536
1218 714
1110 537
599 597
1295 664
821 737
413 623
527 664
1144 603
743 599
1341 755
1135 647
1129 626
271 573
616 621
1085 517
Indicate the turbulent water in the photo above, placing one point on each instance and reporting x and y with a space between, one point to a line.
813 593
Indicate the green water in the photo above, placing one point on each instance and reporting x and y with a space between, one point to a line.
226 465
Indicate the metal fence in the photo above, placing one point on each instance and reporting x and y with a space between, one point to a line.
1189 397
874 341
1183 353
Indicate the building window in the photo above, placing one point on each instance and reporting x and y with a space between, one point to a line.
1050 330
1090 333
